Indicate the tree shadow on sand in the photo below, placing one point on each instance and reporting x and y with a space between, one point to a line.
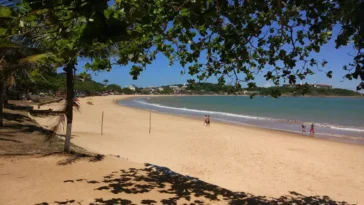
73 157
19 122
180 189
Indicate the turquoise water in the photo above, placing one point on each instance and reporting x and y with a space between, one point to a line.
340 118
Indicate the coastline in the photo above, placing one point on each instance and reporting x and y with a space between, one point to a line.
341 139
301 96
240 158
277 131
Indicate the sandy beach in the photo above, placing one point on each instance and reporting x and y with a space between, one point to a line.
261 162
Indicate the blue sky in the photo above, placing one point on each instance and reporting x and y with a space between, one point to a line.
159 73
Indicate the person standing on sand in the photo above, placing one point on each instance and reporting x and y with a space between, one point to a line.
205 121
312 130
303 128
208 120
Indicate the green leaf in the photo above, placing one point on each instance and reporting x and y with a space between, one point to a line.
87 66
135 71
185 12
317 49
2 31
5 12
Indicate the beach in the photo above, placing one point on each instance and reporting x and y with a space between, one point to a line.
258 161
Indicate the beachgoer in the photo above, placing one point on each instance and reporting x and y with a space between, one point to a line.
303 128
208 120
312 130
205 121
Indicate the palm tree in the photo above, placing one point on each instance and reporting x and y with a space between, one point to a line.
18 54
16 59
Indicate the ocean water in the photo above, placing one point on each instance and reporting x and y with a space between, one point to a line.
334 118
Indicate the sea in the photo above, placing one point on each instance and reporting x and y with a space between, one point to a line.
339 119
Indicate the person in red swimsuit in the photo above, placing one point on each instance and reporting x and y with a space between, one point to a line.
312 130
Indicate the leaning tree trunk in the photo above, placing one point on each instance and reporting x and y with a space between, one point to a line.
69 105
6 96
2 93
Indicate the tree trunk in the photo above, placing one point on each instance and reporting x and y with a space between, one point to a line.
6 96
2 92
69 106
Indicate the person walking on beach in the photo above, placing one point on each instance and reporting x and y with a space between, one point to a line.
303 128
312 130
208 121
205 121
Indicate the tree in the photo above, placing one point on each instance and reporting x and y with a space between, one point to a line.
89 87
238 39
113 88
167 91
18 54
106 81
39 80
91 29
128 91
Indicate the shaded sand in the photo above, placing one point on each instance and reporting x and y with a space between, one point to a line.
257 161
64 179
42 180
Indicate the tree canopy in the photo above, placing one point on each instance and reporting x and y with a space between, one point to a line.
229 39
224 38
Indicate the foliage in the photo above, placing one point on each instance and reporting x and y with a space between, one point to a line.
166 91
222 38
89 87
128 91
113 88
238 39
331 92
241 39
41 81
21 55
210 88
106 81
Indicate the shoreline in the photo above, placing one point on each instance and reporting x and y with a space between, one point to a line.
343 139
258 161
304 96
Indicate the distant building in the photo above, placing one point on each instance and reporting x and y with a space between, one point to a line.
131 87
160 89
322 86
311 85
176 89
184 87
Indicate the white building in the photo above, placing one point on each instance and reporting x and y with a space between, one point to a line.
131 87
173 87
160 89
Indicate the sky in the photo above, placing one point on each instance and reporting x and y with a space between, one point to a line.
159 73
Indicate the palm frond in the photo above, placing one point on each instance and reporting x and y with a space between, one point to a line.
35 58
61 121
6 44
58 125
76 105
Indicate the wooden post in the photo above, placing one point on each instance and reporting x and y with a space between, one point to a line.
102 123
150 122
